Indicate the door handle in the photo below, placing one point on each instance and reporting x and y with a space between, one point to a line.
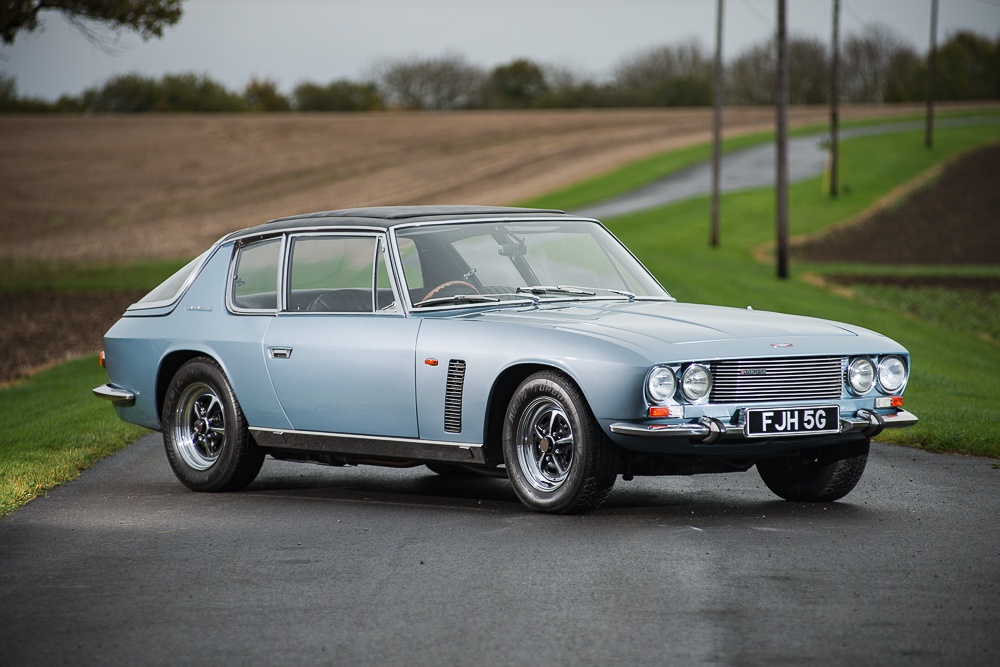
279 352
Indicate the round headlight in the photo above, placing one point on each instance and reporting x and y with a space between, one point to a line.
891 373
861 375
696 382
660 384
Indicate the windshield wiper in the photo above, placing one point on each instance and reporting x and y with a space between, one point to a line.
471 298
558 289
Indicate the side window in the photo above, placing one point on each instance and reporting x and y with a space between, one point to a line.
255 279
331 274
385 300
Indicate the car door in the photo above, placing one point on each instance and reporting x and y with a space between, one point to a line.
340 353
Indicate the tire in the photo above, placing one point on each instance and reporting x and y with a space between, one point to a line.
208 443
817 476
557 457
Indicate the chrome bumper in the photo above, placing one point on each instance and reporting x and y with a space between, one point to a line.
709 429
115 395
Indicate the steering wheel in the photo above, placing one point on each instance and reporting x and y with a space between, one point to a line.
450 283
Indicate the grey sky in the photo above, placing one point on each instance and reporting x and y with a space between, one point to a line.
295 40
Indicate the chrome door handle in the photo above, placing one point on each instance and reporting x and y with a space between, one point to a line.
279 352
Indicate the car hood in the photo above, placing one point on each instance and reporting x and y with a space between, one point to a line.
713 330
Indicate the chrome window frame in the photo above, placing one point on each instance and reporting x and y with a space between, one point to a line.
238 246
163 303
381 244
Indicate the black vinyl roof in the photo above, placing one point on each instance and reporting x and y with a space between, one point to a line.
389 216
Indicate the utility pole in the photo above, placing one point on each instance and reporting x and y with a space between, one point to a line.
781 163
931 62
835 102
717 128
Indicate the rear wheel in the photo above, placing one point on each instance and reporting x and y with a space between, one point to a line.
205 434
557 457
822 475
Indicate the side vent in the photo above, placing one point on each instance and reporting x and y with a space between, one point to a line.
453 397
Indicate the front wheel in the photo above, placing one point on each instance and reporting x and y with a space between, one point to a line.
205 434
557 457
822 475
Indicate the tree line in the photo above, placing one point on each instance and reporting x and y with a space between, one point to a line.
876 66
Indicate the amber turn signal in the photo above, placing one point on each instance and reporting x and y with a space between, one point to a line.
100 360
431 362
667 411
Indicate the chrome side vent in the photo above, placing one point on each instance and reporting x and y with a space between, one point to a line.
453 396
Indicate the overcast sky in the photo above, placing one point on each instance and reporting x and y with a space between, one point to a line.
321 40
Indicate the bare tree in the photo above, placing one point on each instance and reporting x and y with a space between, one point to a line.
670 75
866 63
447 82
750 76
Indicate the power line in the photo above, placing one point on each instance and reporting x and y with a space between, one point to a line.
758 13
854 15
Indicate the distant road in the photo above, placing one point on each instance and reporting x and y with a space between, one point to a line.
752 168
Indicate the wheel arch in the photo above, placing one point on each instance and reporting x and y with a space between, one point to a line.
504 386
169 365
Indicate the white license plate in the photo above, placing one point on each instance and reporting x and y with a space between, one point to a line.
769 422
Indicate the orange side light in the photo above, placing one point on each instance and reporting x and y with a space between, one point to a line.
897 401
101 361
431 362
659 412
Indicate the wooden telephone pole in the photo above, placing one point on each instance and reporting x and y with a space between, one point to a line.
835 103
931 62
781 163
717 128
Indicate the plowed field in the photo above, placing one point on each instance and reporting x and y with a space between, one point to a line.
165 186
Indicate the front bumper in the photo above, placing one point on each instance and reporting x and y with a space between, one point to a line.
708 430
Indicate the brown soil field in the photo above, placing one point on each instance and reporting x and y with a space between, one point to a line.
135 187
954 221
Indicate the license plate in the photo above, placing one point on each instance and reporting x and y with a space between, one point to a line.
762 422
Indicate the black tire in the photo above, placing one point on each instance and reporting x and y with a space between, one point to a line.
822 475
569 465
205 434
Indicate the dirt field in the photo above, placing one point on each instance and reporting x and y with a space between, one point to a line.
955 221
165 186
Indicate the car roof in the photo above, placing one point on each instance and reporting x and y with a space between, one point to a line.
384 217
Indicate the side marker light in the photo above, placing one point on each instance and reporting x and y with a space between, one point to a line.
431 362
100 360
667 411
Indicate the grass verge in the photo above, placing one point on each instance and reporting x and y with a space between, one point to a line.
52 427
953 387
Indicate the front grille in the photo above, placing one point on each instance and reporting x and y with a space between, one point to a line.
453 397
783 379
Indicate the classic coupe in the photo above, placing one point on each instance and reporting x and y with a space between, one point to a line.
518 343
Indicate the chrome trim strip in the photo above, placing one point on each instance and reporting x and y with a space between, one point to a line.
353 436
901 419
117 396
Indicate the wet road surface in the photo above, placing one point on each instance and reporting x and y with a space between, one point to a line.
372 566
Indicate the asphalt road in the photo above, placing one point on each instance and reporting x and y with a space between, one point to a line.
371 566
753 168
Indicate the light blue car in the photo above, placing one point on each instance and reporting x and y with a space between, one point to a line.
508 342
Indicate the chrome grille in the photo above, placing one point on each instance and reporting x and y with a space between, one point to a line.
453 397
783 379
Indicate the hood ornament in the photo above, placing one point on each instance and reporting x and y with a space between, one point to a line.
781 344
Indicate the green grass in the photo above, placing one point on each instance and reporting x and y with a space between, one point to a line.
93 277
954 387
966 310
52 427
647 170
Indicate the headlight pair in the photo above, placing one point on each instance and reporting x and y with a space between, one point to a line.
861 374
695 383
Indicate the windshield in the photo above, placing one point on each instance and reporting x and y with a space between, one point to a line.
522 260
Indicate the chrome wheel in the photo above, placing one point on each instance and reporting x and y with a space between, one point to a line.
545 444
199 426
